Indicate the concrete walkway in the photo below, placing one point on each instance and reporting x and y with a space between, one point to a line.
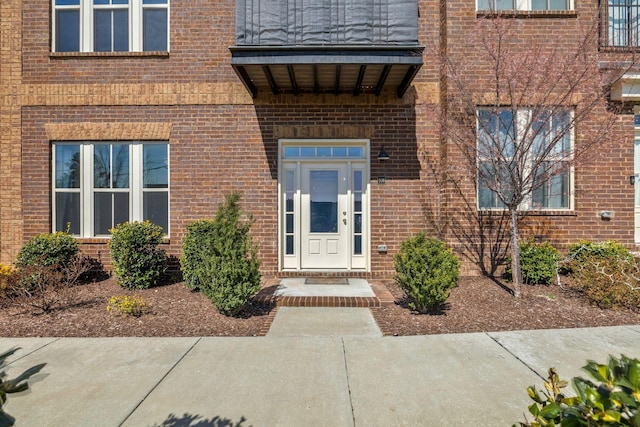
439 380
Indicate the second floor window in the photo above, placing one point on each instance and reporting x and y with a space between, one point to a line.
110 25
623 22
497 5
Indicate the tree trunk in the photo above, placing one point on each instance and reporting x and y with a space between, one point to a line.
515 254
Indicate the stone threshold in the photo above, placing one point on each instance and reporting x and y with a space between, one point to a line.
265 296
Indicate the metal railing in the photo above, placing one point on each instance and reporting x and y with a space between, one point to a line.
622 21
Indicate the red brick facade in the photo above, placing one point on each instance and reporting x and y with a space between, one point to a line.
222 140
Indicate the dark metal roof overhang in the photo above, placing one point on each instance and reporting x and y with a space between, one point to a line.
326 69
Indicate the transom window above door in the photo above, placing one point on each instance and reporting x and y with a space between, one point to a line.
319 152
110 25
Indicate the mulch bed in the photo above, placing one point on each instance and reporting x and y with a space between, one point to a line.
476 304
479 304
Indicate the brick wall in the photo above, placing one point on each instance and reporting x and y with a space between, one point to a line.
601 176
218 149
221 139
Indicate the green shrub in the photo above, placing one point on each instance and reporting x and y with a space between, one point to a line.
43 264
48 249
538 263
426 271
612 401
226 269
606 272
15 385
196 247
608 250
608 282
137 259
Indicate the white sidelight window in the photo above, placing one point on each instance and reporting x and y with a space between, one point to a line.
98 185
110 25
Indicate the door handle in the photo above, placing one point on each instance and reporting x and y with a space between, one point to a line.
344 221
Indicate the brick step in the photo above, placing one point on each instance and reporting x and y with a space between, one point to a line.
266 296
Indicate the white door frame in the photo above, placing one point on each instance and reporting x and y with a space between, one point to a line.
326 151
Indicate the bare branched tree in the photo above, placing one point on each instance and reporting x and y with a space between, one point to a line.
525 115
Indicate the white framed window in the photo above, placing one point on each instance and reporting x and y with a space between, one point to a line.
531 5
537 144
98 185
110 25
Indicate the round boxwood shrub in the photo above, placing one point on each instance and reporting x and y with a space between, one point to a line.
538 263
138 261
47 252
44 250
426 271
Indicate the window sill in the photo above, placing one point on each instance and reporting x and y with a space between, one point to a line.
89 55
623 49
539 212
525 14
105 240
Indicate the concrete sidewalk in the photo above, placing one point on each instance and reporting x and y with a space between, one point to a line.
463 379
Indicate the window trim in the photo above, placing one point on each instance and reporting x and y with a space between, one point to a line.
87 188
523 116
86 10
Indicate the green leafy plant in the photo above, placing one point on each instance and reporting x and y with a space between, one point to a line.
538 263
137 258
43 251
48 249
611 401
609 282
49 267
133 305
226 269
197 246
606 273
607 250
15 385
426 271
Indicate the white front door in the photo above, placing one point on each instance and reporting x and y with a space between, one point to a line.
324 205
325 215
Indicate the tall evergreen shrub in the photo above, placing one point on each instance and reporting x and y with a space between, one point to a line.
222 260
426 271
197 247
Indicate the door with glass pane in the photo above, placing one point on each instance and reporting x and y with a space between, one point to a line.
324 216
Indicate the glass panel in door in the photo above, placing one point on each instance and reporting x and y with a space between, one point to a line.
323 199
324 217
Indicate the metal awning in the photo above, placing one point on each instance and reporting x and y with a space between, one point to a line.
326 69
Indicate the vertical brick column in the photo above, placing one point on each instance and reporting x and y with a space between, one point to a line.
10 128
